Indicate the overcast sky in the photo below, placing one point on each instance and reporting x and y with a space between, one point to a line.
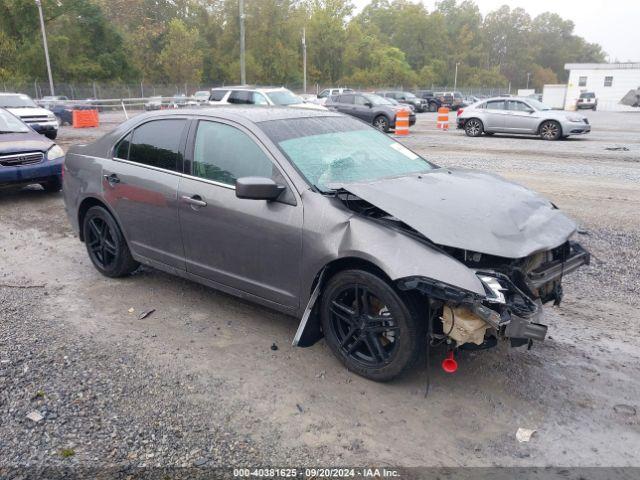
614 24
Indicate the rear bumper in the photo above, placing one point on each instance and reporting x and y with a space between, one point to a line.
31 173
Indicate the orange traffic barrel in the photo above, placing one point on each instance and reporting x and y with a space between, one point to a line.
402 122
443 118
85 118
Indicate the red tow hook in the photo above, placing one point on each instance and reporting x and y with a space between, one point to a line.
449 364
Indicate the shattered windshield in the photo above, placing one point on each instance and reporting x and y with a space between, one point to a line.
329 151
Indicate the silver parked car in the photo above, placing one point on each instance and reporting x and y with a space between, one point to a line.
520 115
320 216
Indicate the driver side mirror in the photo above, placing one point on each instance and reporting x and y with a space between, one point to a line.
368 104
258 188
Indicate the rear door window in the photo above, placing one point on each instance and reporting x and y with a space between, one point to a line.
496 105
242 97
217 95
122 148
157 144
347 99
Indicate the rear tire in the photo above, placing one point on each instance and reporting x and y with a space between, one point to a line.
106 246
550 130
473 127
369 326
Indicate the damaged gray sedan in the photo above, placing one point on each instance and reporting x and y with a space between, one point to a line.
322 217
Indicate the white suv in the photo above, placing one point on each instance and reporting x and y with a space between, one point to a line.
278 96
22 106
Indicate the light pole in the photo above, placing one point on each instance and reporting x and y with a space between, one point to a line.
46 49
304 61
455 78
243 73
528 75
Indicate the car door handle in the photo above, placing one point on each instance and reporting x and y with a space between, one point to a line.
195 200
112 179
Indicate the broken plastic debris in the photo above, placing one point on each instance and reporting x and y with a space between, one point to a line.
131 310
146 313
624 409
524 434
617 149
35 416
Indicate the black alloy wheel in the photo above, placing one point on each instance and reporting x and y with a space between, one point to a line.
368 325
105 244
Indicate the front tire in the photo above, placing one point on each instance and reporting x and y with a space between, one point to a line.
473 127
106 246
381 123
433 107
550 130
369 326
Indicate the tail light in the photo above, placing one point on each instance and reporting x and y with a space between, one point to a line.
460 110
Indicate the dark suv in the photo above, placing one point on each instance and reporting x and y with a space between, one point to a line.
408 98
372 108
428 96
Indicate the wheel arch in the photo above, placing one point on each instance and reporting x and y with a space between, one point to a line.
351 262
84 207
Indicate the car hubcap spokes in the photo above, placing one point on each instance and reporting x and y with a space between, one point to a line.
365 329
549 130
474 128
101 242
380 124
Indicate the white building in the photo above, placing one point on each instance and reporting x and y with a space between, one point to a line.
611 82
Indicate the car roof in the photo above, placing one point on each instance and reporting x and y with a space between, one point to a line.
252 113
6 94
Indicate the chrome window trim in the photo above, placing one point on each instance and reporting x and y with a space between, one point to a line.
150 167
206 180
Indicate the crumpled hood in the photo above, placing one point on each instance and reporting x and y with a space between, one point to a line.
470 210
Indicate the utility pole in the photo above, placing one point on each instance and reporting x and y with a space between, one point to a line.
243 73
455 78
46 48
528 75
304 61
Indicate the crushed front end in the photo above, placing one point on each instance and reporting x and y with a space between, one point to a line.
515 290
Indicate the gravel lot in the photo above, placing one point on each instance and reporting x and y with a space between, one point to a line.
197 385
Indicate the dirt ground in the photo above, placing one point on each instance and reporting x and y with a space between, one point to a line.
579 389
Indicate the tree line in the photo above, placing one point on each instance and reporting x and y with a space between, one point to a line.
388 42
